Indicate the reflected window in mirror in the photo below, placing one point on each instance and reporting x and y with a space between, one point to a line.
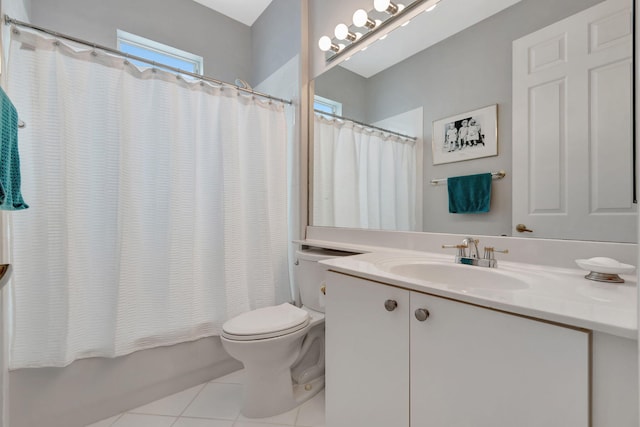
326 105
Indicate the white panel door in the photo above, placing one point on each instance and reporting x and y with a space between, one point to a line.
367 354
474 367
572 121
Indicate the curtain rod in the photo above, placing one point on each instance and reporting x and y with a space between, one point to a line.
413 138
8 20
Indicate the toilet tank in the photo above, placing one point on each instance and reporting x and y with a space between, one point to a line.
309 275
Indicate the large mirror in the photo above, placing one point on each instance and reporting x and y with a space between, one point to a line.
457 64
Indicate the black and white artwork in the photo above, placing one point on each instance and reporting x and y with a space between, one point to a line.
465 136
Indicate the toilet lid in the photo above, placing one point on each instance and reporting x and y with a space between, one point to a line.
266 322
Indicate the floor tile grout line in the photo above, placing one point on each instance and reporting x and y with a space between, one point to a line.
177 417
145 415
117 418
202 387
295 421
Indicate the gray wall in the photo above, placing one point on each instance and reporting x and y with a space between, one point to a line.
275 38
469 70
224 43
347 87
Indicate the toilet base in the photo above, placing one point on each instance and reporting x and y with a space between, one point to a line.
304 392
274 394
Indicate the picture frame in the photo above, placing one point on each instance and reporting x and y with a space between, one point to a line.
466 136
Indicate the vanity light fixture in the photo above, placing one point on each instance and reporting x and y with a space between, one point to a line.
384 14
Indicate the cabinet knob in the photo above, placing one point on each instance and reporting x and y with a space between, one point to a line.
390 304
422 314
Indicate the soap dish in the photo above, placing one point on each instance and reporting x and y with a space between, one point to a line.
603 269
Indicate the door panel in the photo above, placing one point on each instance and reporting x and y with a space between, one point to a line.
572 138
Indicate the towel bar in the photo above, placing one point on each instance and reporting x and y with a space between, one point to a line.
495 175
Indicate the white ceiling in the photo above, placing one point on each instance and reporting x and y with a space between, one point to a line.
426 29
245 11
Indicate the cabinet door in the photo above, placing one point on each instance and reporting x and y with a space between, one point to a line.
475 367
367 354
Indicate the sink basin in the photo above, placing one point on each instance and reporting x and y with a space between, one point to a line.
456 276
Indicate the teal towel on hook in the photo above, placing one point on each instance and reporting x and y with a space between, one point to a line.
469 194
10 196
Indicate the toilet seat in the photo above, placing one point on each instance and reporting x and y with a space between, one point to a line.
267 322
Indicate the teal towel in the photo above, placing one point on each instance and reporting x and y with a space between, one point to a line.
10 196
469 194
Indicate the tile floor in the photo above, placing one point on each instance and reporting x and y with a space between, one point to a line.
213 404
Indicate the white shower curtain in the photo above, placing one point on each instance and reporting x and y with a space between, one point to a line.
362 178
158 205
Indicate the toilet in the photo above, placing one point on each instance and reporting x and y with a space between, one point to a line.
282 347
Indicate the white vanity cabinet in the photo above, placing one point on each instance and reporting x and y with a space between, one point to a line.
462 366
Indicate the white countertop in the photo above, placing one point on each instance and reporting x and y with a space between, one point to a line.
560 295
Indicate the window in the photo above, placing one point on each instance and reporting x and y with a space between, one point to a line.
158 52
325 105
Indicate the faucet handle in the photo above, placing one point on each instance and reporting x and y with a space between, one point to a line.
460 248
490 250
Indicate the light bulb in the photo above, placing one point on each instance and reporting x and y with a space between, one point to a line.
341 31
360 18
324 43
385 6
381 5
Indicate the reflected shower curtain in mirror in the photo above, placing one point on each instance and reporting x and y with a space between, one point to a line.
362 178
158 205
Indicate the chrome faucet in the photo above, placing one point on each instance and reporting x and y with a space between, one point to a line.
473 256
472 244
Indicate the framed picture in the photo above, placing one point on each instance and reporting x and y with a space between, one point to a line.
466 136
